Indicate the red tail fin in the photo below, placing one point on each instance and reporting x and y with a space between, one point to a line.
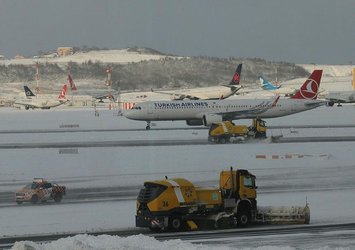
236 77
63 92
309 90
71 82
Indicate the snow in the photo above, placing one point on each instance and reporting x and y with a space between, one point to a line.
330 70
321 173
105 56
140 242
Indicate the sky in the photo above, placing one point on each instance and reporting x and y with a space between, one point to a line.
302 31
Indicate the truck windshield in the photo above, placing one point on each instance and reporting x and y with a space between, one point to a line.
150 192
249 181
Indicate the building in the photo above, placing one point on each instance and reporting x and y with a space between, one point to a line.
65 51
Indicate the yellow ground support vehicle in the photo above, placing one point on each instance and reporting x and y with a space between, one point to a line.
177 204
227 131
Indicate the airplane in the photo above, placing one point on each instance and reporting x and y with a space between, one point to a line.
266 85
342 96
209 93
276 89
36 102
206 112
206 93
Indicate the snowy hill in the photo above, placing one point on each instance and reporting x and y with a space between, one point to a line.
105 56
143 69
137 69
330 70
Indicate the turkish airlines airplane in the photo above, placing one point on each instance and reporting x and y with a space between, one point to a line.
198 112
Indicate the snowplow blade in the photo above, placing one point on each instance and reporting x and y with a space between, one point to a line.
283 215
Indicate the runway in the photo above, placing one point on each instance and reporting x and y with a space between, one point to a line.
155 137
76 129
91 144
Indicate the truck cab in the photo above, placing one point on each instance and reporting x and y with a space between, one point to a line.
259 127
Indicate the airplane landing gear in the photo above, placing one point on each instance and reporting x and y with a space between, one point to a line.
148 125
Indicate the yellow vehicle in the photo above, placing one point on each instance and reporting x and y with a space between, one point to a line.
227 131
177 204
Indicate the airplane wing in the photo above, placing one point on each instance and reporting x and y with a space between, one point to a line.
178 96
258 109
27 105
200 96
108 95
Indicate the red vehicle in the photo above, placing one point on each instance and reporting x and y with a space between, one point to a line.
40 190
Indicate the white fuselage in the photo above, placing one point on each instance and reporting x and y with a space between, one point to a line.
213 92
39 102
341 96
227 109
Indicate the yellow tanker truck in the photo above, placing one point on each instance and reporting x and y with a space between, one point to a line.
177 204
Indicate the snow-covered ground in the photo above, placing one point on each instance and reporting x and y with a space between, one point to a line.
322 173
104 56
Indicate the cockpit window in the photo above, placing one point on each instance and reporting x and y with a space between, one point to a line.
249 181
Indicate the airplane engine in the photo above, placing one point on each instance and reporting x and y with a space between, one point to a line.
212 118
194 122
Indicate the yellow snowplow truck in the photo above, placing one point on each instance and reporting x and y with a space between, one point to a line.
177 204
227 131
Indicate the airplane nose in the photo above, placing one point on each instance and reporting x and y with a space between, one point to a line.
126 113
130 114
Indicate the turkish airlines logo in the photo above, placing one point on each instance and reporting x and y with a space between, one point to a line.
310 90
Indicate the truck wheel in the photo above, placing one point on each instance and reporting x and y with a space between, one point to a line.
222 140
58 198
260 135
233 221
243 218
175 223
34 199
